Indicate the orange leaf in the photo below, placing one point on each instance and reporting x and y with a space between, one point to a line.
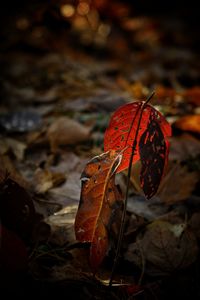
193 95
189 123
99 199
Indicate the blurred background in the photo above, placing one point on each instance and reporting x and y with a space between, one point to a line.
155 44
96 23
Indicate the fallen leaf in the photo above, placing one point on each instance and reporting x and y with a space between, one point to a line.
68 163
99 199
193 95
4 148
46 179
62 225
185 183
69 190
65 131
189 123
165 92
149 210
101 101
184 147
164 248
8 168
18 148
37 138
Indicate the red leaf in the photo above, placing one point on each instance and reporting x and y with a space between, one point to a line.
99 195
153 150
121 131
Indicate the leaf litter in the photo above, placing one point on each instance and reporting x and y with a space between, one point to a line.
63 95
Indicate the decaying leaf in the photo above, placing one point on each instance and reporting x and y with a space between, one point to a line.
4 148
45 179
69 191
99 200
193 95
164 248
18 148
186 181
153 151
65 131
7 167
62 225
184 147
149 210
163 92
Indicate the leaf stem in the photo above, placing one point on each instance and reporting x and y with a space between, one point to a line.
149 98
121 232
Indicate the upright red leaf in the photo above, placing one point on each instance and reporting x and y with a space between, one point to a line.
153 149
99 194
122 129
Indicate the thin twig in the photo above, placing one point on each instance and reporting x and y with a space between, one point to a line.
121 231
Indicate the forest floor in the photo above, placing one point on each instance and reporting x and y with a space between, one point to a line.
61 79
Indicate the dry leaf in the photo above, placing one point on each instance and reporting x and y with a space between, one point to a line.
164 248
100 200
168 192
69 190
65 131
37 138
189 123
45 179
7 168
4 148
193 95
68 162
18 148
184 147
165 92
185 183
149 210
62 225
137 90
